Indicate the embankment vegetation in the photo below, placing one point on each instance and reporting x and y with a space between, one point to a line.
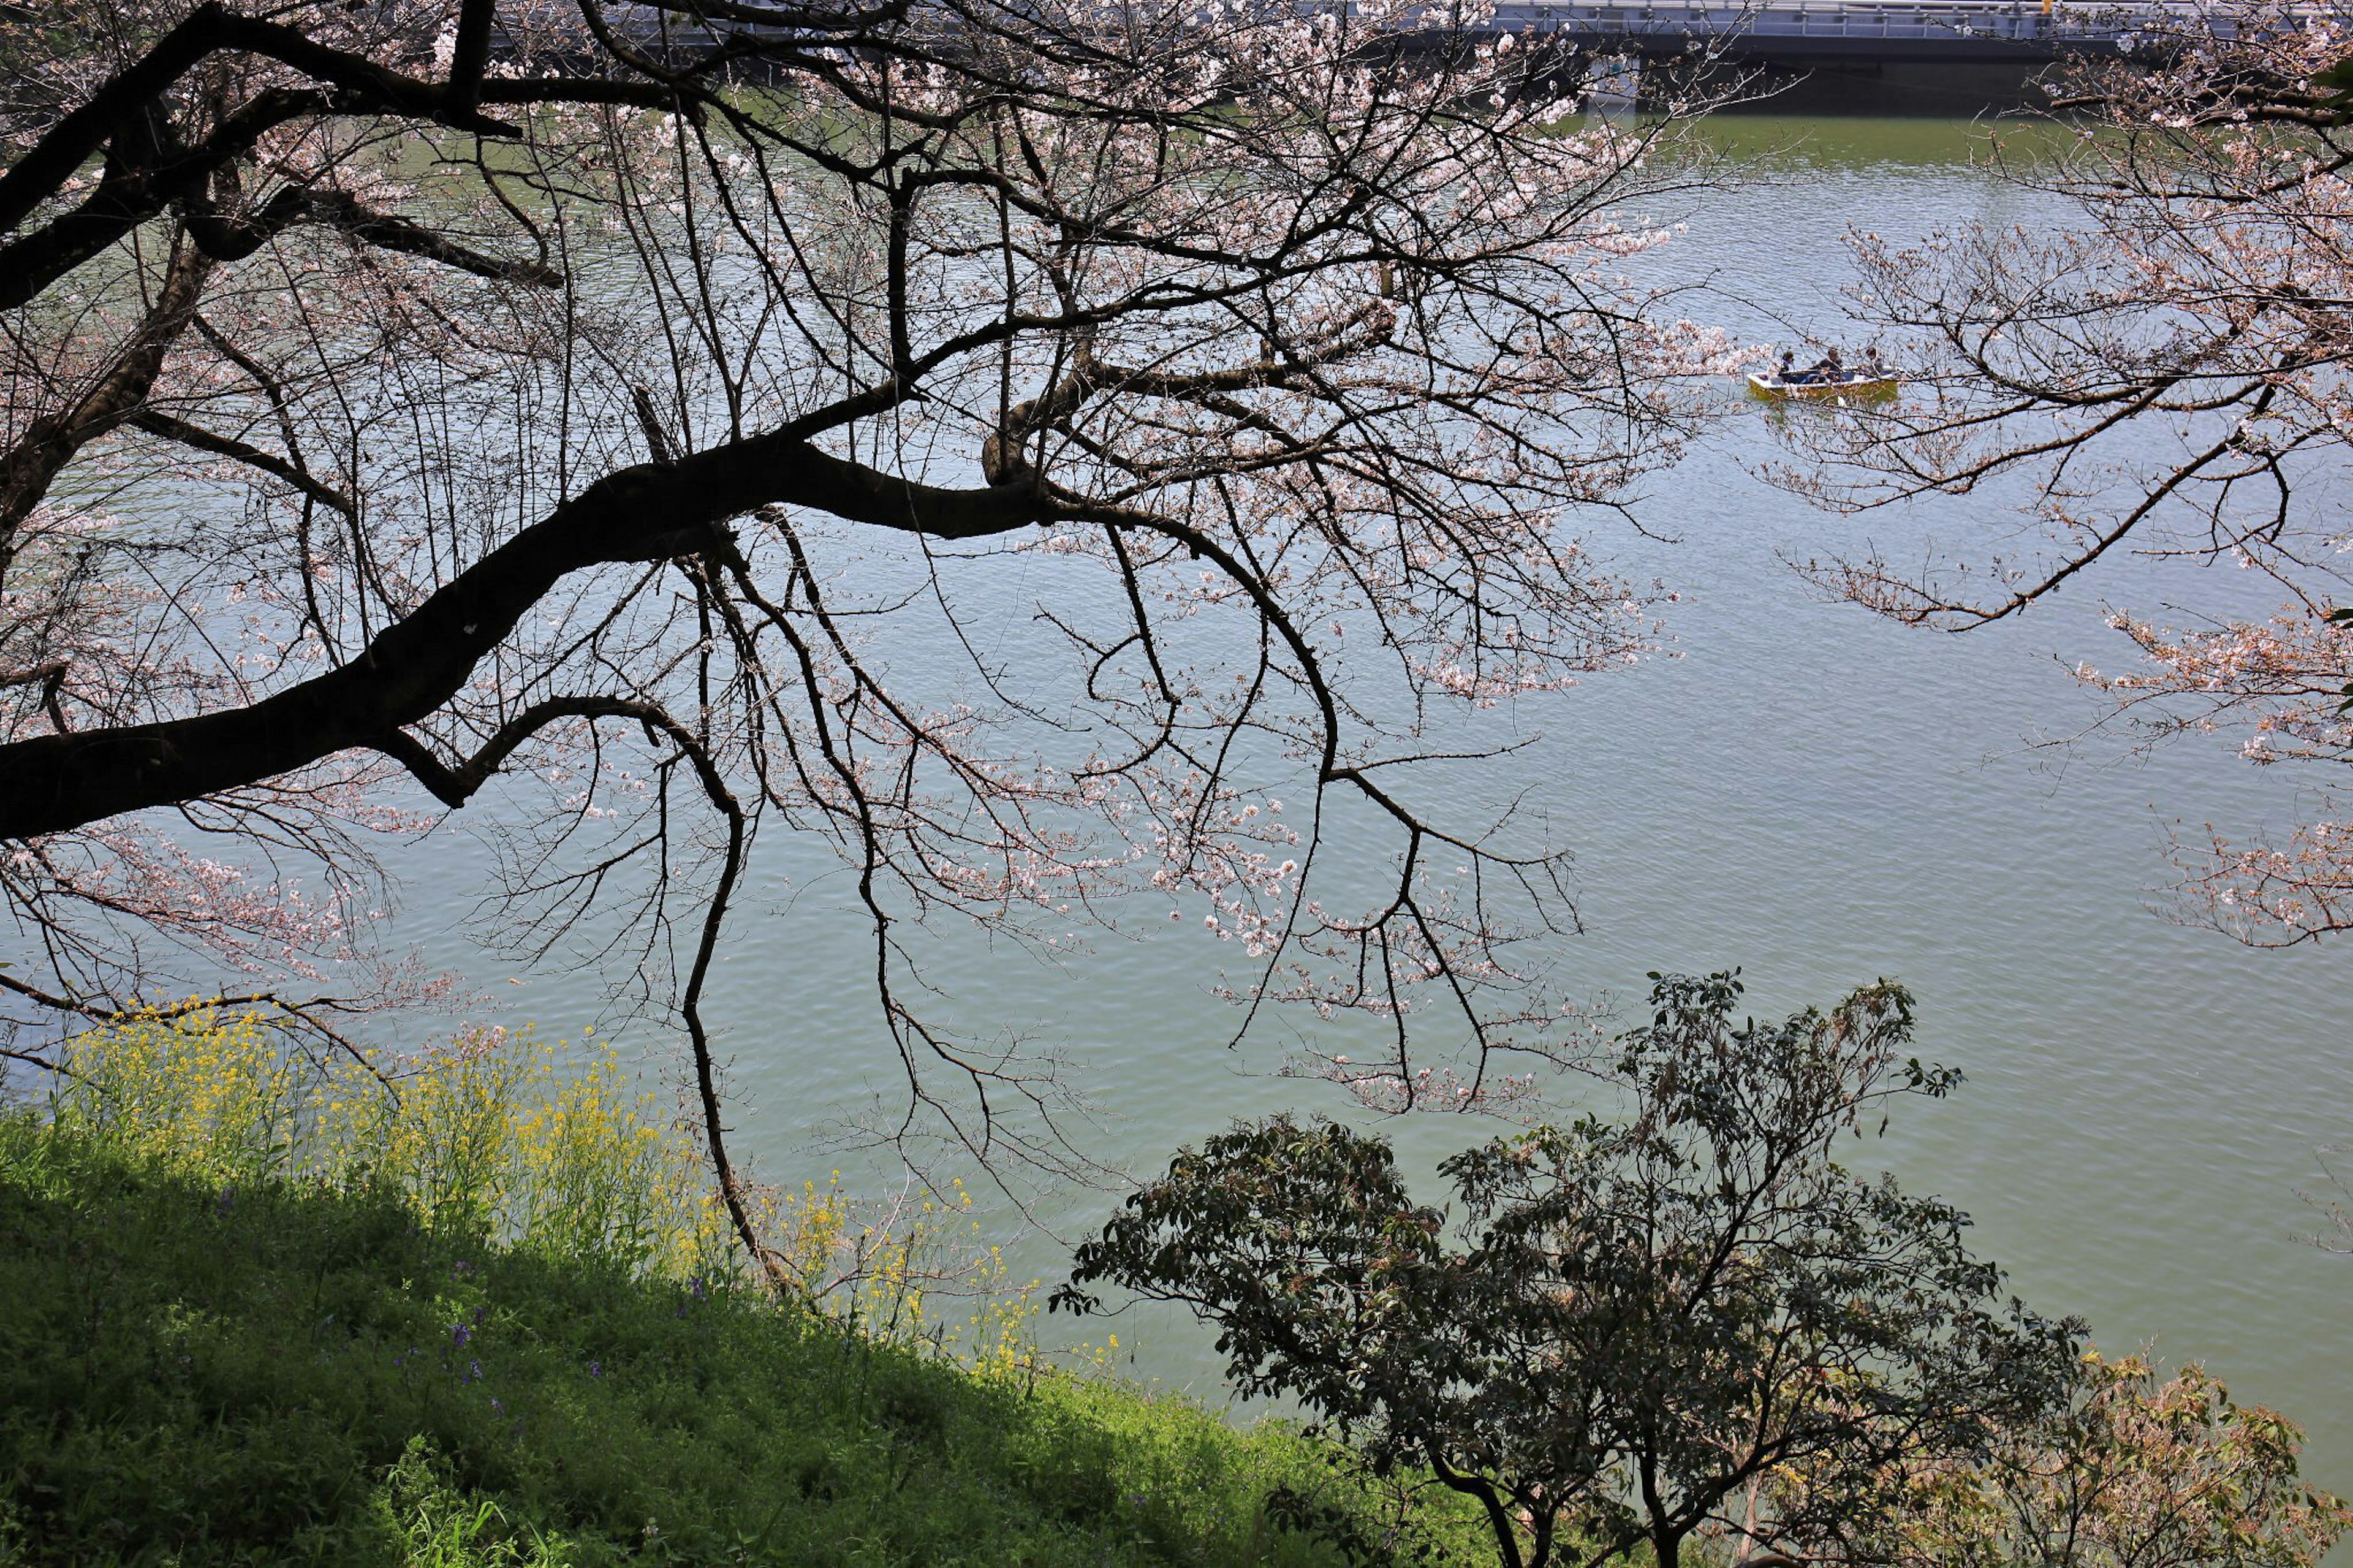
257 1314
487 1308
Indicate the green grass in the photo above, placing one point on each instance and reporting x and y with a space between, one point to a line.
194 1374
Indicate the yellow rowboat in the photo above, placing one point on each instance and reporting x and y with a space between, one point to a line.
1871 388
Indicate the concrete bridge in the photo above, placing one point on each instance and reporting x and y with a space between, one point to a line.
1893 57
1886 57
1794 30
1804 33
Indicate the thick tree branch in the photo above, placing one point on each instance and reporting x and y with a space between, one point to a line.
453 787
51 678
147 169
469 55
208 30
642 513
172 429
137 188
233 237
47 444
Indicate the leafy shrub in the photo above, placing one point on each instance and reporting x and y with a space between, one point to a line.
1644 1321
551 1147
200 1094
493 1133
2135 1468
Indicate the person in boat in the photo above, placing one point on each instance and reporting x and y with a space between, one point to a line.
1872 369
1789 374
1823 370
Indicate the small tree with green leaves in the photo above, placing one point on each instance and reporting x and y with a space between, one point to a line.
1639 1322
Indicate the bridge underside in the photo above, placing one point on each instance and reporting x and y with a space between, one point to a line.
1899 89
1815 75
1914 57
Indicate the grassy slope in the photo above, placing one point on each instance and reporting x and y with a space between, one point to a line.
194 1374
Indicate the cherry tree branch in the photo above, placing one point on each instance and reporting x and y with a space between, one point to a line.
644 513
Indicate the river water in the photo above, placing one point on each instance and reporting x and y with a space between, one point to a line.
1810 793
